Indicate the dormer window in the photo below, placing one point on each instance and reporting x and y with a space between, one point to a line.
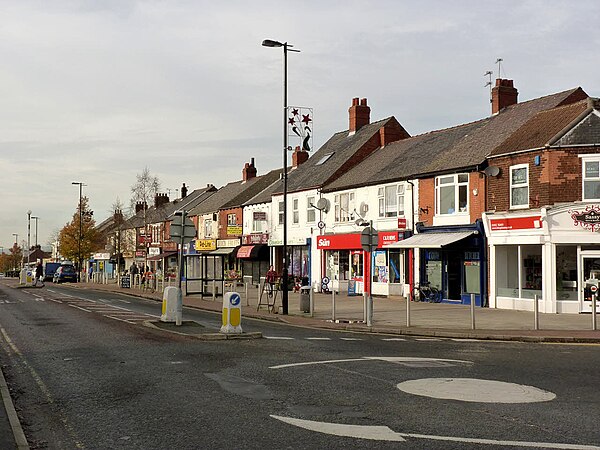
519 186
452 194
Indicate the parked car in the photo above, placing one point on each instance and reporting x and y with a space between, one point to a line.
65 273
49 270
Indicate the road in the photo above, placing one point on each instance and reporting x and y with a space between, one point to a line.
86 374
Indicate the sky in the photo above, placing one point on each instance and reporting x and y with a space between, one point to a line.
95 91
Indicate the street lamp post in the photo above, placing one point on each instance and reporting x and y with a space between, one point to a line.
284 274
36 229
28 237
80 230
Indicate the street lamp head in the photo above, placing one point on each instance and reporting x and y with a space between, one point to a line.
271 43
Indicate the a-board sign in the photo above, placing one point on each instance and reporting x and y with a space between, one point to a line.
126 282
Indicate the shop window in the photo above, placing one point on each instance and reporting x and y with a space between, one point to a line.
356 264
280 213
519 271
338 266
452 194
566 272
519 186
310 210
591 179
433 269
380 274
507 271
295 211
395 266
344 207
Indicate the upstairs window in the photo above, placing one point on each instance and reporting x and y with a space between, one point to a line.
259 221
452 194
344 207
295 211
519 186
310 210
231 220
391 201
591 179
280 213
208 228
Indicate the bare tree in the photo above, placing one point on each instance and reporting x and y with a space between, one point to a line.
143 191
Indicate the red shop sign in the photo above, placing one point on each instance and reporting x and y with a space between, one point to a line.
338 241
401 224
387 238
516 223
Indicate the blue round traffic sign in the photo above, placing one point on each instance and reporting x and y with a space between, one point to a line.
234 299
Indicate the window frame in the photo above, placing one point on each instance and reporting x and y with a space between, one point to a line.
584 160
280 213
456 184
343 215
310 210
518 186
295 211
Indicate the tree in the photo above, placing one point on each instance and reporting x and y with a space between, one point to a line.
76 235
143 191
11 260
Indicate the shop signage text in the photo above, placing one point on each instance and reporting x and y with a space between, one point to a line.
259 216
387 238
233 230
516 223
588 218
206 244
339 241
262 238
401 223
227 243
290 241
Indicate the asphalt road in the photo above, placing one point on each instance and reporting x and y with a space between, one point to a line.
85 374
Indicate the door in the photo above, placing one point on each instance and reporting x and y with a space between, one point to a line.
454 268
590 266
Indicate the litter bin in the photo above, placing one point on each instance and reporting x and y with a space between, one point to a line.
305 299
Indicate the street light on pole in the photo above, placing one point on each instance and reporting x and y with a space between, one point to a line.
80 229
284 274
28 237
36 218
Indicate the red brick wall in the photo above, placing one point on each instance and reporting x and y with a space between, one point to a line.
223 222
556 180
476 202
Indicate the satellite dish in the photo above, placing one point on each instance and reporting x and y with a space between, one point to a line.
364 207
323 205
491 171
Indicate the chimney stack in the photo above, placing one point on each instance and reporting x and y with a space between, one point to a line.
160 199
249 171
299 156
184 191
503 94
360 115
140 206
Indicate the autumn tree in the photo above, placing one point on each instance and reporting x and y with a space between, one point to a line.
11 260
79 238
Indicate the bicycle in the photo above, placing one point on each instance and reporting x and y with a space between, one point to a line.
425 293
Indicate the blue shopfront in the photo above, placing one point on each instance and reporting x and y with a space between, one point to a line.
453 260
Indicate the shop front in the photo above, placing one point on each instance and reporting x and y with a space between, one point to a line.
452 259
253 256
388 264
202 268
552 253
344 263
298 257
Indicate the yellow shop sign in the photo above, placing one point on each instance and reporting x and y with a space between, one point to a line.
206 244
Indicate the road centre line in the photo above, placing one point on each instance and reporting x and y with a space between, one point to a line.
393 339
318 339
281 338
79 307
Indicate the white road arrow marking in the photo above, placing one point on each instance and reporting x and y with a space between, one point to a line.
377 433
383 433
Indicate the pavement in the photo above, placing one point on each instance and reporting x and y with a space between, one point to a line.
389 317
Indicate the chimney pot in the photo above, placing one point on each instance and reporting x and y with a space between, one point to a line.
504 94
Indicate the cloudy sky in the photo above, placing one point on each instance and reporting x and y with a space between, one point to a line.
94 91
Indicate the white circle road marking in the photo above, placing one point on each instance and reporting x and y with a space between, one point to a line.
475 390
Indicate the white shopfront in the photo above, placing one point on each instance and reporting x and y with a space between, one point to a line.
553 253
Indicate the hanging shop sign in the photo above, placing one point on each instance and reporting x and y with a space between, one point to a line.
516 223
588 218
206 244
401 223
153 251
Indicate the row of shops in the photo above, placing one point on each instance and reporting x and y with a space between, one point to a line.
505 259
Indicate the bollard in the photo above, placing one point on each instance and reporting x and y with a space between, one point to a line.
594 299
246 289
408 299
333 304
312 301
232 313
472 311
364 307
536 317
172 305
